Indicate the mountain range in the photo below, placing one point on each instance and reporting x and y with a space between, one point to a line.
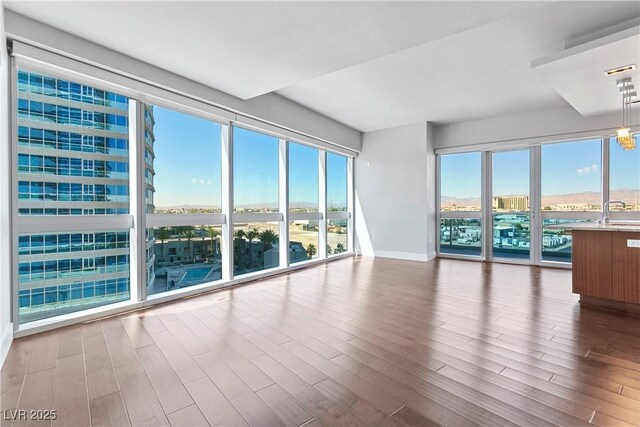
593 198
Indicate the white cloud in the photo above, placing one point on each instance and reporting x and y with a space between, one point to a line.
594 168
586 169
209 183
580 172
202 182
193 180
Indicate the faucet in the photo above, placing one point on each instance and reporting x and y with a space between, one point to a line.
605 210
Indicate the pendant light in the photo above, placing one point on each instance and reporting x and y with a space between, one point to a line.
623 134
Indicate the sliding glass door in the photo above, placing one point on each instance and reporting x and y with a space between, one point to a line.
571 191
520 197
511 205
460 189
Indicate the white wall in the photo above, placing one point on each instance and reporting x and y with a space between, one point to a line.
432 227
6 327
395 193
555 124
270 107
395 173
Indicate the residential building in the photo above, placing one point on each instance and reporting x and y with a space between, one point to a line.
73 159
511 203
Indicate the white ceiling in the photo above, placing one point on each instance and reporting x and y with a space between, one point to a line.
370 65
578 74
251 48
482 72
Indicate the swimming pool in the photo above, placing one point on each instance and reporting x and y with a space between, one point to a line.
196 274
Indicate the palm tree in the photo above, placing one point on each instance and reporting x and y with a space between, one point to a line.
311 250
189 234
329 250
213 233
251 235
203 232
237 234
162 234
340 248
268 238
180 229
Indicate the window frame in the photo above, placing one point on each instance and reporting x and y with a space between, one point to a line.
153 220
43 224
606 184
537 214
461 214
137 220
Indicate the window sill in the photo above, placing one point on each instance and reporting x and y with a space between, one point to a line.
96 313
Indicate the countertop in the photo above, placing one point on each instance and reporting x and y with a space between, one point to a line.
633 226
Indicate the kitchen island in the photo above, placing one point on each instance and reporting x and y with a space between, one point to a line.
606 263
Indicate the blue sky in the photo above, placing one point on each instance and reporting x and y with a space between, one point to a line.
187 165
574 167
255 168
510 173
303 175
625 166
336 181
566 168
460 175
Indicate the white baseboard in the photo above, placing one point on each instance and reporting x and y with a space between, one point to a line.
5 343
409 256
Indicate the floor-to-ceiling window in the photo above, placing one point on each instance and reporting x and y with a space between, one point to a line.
73 189
183 196
120 200
337 204
571 191
624 179
511 207
304 221
460 230
532 189
256 235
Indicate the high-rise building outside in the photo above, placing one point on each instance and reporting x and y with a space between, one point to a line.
73 159
511 203
149 189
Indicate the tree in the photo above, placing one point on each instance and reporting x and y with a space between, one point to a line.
340 248
251 235
203 232
189 234
237 250
311 250
212 232
162 234
329 250
268 238
181 229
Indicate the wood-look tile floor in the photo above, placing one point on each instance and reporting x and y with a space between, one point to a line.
355 342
